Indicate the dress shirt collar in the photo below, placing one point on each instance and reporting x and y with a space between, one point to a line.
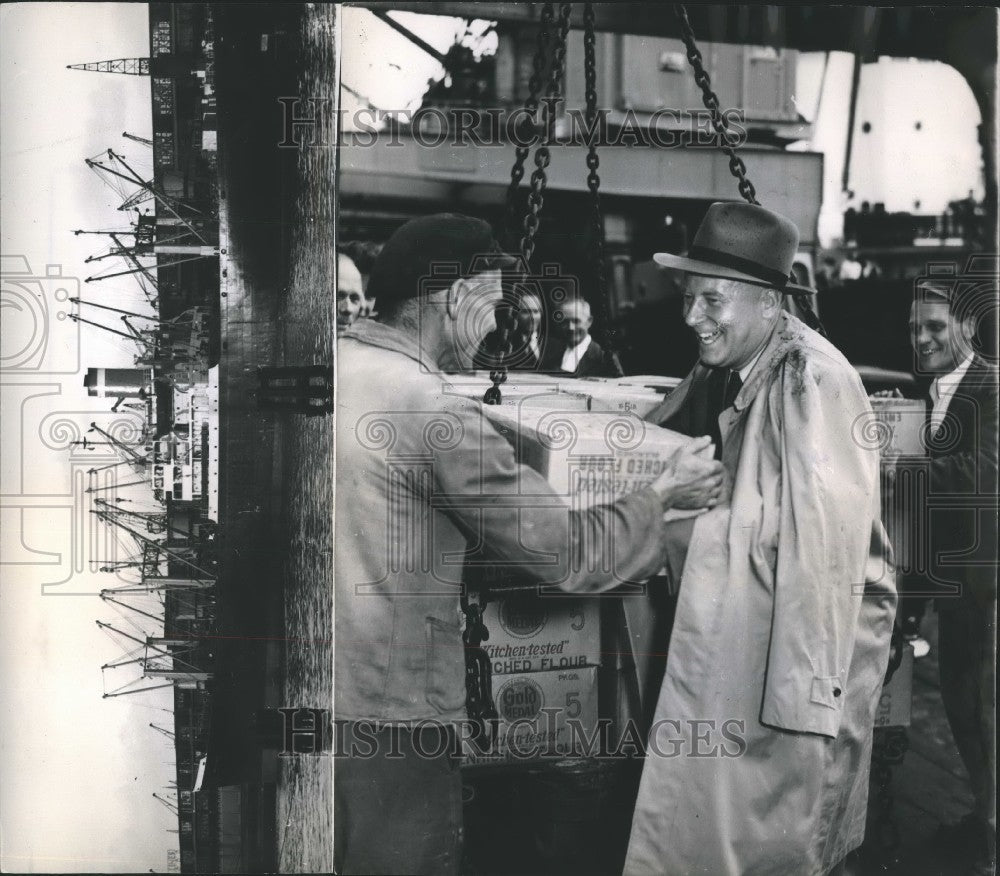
946 384
571 358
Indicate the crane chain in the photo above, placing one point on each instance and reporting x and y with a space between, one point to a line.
728 141
536 196
594 184
543 155
530 112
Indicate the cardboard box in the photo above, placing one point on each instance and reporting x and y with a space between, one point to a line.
659 382
904 513
894 705
630 395
542 716
523 378
537 633
901 426
638 400
591 457
546 395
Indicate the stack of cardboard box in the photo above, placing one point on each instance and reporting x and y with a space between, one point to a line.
628 395
545 648
901 435
898 429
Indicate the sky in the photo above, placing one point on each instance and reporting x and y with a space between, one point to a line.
78 771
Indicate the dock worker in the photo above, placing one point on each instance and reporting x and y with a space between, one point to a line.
424 481
786 604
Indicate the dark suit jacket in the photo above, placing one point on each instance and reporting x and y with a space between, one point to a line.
962 491
695 417
591 363
521 358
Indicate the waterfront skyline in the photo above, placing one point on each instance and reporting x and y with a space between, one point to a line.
78 771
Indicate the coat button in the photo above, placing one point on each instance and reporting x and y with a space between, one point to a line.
836 691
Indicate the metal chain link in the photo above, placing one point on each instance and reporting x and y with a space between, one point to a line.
532 221
478 673
498 375
727 139
728 142
594 184
536 197
531 112
478 670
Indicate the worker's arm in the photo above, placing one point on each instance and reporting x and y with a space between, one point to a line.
524 525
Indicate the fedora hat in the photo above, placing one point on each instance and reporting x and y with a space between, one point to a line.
739 241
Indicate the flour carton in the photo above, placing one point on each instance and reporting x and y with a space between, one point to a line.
589 457
898 428
895 702
542 716
532 632
545 394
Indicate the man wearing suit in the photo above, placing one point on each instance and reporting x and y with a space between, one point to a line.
575 352
962 541
527 342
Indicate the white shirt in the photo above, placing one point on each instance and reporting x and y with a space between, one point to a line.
942 390
571 358
850 269
536 350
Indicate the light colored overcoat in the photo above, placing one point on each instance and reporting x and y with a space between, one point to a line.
759 755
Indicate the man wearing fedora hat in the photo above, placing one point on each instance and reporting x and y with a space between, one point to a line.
786 599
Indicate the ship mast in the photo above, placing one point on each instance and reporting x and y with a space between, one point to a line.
126 66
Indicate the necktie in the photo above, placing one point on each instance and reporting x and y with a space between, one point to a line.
720 401
734 383
936 415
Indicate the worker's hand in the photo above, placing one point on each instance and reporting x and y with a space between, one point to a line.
887 393
692 478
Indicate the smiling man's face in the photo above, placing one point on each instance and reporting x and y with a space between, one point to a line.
732 320
940 341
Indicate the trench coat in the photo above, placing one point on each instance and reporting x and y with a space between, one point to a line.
758 756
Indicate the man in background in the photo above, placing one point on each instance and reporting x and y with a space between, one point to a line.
526 341
962 536
576 353
351 302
